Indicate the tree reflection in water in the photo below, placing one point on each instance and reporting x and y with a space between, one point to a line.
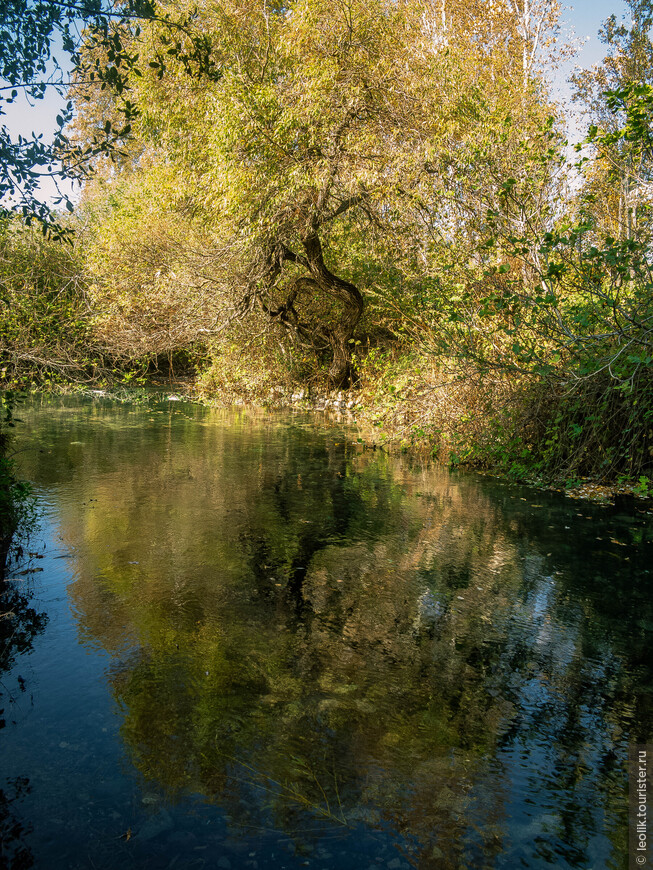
315 637
19 624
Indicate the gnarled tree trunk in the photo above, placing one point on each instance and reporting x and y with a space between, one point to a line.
334 337
341 373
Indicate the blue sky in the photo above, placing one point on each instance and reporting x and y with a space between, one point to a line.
586 17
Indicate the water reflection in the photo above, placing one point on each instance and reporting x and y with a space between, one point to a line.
13 851
20 622
317 638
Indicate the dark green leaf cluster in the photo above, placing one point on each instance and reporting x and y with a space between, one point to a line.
39 43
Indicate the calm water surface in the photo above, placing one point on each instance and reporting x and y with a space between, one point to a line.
254 644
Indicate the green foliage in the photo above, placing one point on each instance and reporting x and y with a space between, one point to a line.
44 319
561 432
562 311
267 372
40 42
33 34
644 487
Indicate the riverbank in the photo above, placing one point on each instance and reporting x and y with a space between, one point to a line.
456 417
451 416
430 421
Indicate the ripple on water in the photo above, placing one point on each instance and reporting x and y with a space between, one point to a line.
266 647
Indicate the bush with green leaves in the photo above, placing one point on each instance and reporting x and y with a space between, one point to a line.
45 335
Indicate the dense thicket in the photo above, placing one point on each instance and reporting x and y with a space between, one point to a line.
377 196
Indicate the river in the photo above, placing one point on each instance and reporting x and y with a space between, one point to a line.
250 642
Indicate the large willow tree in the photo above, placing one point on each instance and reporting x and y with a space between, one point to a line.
316 159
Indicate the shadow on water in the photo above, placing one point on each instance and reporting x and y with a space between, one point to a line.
347 657
20 623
